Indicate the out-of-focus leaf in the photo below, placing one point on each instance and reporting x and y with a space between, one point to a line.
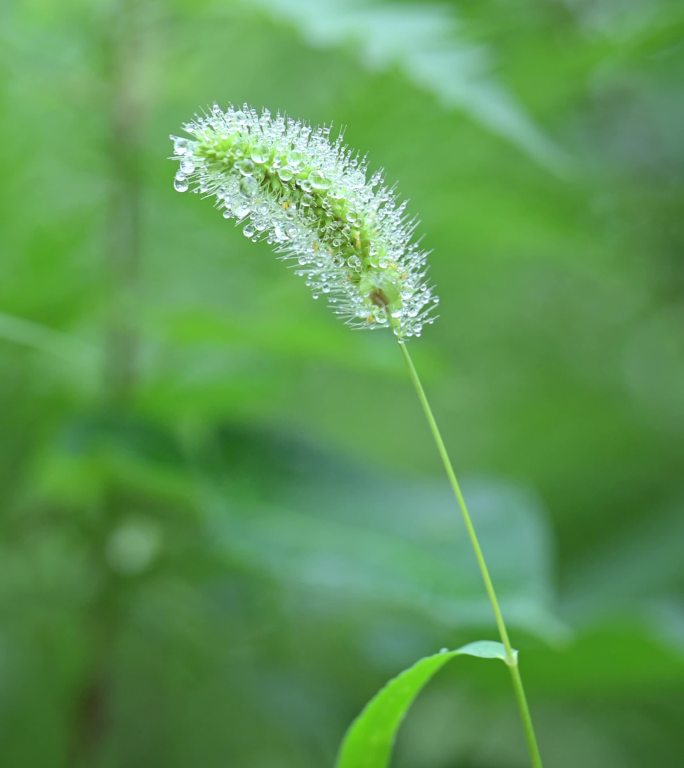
389 540
100 449
370 739
609 575
17 330
621 657
428 45
636 579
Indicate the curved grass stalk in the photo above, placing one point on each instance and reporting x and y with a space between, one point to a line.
511 657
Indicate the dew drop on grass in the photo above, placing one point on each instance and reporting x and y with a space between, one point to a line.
319 181
259 155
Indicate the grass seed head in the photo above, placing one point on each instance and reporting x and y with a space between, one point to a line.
311 198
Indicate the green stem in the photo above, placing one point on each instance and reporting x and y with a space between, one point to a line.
511 656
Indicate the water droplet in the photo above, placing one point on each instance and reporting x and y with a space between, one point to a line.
240 210
249 231
246 167
319 181
248 185
180 183
187 165
285 173
259 155
295 159
180 146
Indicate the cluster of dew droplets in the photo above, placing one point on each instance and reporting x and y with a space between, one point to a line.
309 197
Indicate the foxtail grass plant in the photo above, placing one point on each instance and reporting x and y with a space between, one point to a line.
349 237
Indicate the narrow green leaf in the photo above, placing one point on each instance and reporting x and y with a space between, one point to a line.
369 741
17 330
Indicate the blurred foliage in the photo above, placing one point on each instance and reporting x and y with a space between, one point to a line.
223 525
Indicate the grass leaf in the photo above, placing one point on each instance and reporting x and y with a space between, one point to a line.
369 741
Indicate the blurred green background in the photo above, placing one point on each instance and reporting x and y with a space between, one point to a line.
223 524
